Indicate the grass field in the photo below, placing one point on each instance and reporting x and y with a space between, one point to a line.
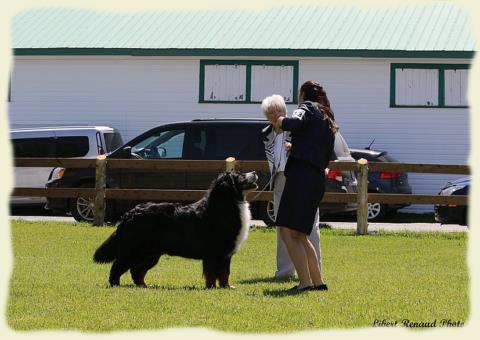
394 276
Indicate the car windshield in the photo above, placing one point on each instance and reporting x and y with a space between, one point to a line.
386 158
113 141
163 144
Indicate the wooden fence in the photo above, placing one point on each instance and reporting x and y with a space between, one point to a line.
362 167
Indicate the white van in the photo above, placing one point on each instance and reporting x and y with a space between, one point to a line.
57 142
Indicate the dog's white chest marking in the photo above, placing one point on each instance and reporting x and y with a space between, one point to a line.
245 217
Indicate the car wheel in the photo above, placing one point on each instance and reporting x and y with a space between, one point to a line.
376 211
81 208
266 213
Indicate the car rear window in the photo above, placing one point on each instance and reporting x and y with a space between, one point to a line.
72 146
34 147
48 147
113 141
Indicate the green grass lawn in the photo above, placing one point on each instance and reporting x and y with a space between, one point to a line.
392 276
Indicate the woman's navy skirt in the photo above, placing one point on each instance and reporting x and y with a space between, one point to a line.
304 189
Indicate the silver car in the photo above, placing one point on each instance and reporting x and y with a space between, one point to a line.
56 142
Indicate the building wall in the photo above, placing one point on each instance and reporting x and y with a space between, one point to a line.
134 94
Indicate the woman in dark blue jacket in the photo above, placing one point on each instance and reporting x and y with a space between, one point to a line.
312 127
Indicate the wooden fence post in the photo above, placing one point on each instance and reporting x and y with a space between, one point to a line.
362 197
230 164
100 184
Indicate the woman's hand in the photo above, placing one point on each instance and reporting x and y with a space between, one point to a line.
278 123
288 147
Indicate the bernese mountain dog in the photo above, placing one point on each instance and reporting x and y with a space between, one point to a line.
211 229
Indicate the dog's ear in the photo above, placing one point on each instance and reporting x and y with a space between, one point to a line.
226 178
231 178
223 177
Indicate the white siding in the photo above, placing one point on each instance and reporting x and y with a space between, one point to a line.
135 94
268 80
359 92
456 82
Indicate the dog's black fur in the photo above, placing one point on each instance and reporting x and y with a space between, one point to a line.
206 230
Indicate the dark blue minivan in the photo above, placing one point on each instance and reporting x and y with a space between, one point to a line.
383 183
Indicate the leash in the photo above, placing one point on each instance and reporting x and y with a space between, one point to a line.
263 189
272 174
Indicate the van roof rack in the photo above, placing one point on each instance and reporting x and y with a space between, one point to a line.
56 127
227 119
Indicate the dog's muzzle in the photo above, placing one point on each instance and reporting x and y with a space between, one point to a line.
251 177
250 181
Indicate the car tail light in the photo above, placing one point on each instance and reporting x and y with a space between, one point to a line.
335 175
389 175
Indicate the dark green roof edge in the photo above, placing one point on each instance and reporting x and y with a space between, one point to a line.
207 52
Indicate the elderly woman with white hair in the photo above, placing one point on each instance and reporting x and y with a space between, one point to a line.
276 145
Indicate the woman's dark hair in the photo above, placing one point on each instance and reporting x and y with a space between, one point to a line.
314 92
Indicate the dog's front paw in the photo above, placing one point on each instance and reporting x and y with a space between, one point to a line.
227 286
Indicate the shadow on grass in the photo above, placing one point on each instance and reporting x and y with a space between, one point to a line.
283 292
267 280
170 288
157 287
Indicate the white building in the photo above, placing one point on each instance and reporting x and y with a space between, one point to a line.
396 75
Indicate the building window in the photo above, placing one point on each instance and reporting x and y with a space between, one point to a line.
270 79
456 81
428 85
416 87
226 81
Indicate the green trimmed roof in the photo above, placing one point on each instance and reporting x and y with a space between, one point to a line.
433 27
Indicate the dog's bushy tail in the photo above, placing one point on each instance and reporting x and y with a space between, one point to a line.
107 252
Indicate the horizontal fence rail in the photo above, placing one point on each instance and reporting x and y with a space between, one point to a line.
361 167
219 165
186 195
55 162
420 168
153 194
145 164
